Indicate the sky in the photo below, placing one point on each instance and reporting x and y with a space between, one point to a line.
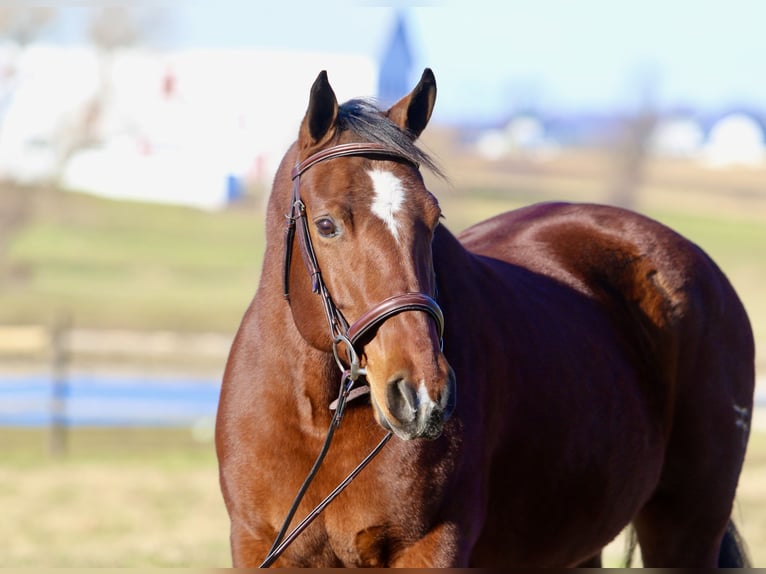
495 57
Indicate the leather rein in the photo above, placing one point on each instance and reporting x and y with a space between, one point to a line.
341 332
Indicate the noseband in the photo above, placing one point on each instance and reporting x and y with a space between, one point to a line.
340 331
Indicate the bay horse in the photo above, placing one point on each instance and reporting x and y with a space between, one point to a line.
550 375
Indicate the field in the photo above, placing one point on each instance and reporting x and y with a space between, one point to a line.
153 501
149 497
130 265
122 498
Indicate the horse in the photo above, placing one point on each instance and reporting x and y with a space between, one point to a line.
550 376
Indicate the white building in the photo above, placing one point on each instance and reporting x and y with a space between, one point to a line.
175 127
45 91
523 136
677 137
736 139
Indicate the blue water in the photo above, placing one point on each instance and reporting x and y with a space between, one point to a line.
108 400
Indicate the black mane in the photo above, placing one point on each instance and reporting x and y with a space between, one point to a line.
365 120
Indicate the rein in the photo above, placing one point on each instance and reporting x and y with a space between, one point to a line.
340 331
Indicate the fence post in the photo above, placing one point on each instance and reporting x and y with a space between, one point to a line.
57 440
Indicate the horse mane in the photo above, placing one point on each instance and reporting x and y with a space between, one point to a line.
362 118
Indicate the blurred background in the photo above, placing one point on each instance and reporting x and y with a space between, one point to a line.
138 141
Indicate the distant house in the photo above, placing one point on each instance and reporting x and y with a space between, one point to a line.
524 135
180 127
736 139
680 136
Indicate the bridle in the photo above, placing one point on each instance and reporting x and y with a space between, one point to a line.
350 336
340 330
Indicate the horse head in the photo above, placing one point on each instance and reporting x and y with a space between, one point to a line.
368 224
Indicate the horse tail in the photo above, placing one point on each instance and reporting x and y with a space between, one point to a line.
733 553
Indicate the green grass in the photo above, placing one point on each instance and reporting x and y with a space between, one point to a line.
133 265
116 264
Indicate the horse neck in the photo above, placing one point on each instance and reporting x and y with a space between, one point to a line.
292 371
451 259
311 373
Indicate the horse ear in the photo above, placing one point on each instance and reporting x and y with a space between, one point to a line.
319 122
413 111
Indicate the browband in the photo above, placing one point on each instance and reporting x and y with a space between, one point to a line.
344 150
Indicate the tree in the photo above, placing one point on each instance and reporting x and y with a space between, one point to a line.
21 25
113 27
110 28
632 148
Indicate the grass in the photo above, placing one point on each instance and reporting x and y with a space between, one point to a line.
109 264
150 498
132 265
123 497
120 264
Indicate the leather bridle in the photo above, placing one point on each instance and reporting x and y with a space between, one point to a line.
340 331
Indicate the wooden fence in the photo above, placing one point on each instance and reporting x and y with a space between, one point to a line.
58 348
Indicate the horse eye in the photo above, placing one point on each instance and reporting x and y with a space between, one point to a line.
326 227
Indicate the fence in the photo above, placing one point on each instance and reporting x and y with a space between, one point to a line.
58 350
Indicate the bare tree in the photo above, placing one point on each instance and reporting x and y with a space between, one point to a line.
633 142
21 25
632 153
111 28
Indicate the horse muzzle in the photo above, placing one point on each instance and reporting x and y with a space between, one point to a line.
410 412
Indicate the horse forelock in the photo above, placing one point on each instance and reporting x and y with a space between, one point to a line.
363 119
357 120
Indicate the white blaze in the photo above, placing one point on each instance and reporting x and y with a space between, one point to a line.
388 199
424 398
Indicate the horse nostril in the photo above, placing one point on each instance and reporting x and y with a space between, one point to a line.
451 398
401 400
